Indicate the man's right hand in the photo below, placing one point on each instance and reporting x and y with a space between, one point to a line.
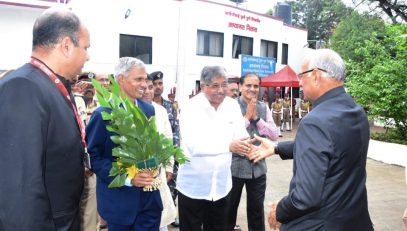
265 149
142 179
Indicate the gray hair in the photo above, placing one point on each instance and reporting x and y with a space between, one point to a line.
54 24
330 61
126 64
210 72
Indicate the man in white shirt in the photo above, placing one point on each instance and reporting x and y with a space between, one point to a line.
211 128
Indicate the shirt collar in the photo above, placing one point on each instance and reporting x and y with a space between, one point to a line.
329 95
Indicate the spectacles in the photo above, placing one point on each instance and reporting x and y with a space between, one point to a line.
310 70
217 86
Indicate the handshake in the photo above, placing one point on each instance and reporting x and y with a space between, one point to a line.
255 153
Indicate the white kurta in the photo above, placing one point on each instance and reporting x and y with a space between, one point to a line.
206 134
164 127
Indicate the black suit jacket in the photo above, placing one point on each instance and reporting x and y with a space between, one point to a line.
41 167
327 191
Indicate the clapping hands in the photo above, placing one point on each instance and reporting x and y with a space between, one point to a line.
251 113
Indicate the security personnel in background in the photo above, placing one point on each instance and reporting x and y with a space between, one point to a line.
304 108
276 109
286 113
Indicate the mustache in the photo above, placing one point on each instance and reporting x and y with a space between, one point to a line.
220 94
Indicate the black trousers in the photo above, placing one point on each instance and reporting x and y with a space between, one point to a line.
255 190
198 215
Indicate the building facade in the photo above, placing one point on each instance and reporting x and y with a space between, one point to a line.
178 38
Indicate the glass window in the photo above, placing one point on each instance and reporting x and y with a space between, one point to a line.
209 43
268 49
242 45
284 56
136 46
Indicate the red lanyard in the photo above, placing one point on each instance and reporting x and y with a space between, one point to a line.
64 92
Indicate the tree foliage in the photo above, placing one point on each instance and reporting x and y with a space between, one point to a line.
396 10
352 32
378 80
319 17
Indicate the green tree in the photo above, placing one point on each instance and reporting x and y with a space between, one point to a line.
352 32
378 80
319 17
396 10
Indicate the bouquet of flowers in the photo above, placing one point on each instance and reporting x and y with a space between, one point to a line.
140 147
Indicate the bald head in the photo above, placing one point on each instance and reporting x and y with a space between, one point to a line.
53 25
61 42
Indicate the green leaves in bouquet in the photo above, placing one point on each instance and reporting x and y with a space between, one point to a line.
136 136
179 156
118 181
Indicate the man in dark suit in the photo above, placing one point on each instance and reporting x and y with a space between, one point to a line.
41 150
128 207
327 191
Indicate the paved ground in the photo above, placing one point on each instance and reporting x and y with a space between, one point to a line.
387 190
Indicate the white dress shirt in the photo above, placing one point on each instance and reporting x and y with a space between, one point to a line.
162 121
164 127
206 134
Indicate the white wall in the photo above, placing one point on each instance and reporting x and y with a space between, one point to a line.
212 17
16 35
106 21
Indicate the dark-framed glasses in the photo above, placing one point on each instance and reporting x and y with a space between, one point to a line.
310 70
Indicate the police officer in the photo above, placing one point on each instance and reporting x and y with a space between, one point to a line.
286 113
276 109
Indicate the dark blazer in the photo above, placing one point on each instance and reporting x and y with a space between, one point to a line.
327 191
41 167
118 205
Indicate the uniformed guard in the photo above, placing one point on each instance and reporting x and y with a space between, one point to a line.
286 113
304 108
276 109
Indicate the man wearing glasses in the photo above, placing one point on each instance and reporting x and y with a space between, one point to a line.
212 127
258 120
328 188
